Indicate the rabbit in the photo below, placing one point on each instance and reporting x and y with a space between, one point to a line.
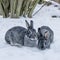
30 38
18 36
45 37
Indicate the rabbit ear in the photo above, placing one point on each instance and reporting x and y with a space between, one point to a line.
27 24
31 24
47 34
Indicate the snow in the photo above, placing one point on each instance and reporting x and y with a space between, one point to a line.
8 52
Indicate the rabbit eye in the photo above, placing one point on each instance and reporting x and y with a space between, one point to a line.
28 32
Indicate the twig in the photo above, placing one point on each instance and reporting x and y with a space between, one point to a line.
39 9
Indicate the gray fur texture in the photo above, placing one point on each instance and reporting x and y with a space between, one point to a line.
16 35
30 37
29 42
45 37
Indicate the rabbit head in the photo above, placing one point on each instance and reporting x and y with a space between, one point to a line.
44 41
31 32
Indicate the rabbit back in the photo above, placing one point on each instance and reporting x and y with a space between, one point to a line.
15 35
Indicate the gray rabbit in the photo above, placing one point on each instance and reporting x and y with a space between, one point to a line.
45 37
30 38
20 36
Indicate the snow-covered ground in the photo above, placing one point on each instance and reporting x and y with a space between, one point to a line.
8 52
